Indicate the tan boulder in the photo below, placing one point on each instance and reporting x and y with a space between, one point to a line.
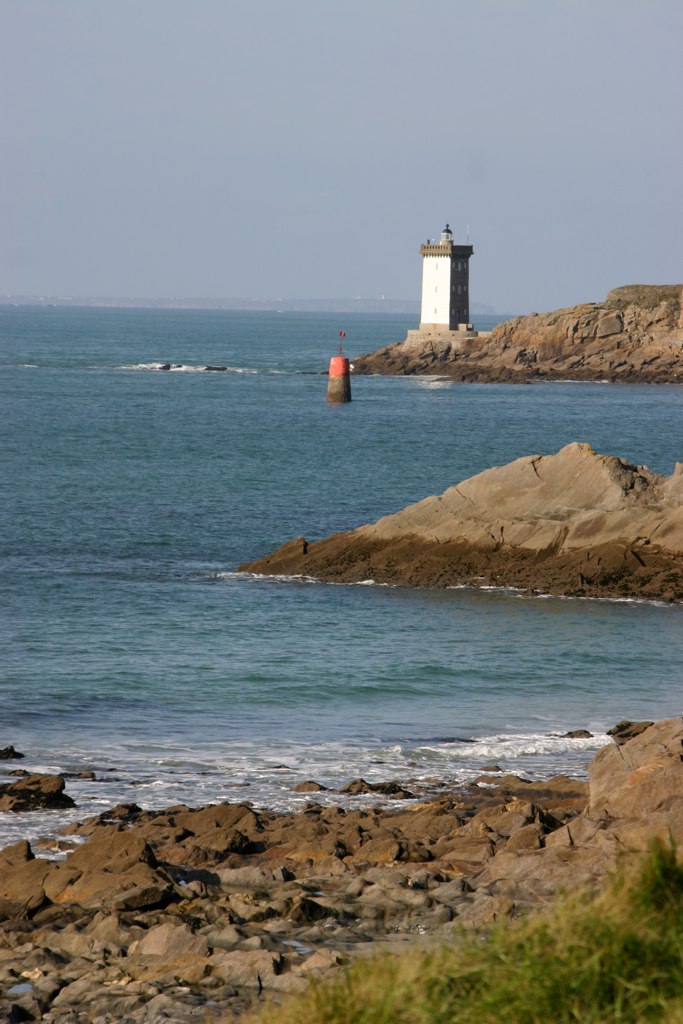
169 939
24 881
255 969
93 888
634 779
112 850
33 792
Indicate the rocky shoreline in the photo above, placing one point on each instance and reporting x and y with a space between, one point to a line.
634 336
575 523
197 914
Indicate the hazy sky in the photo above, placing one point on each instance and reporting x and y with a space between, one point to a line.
305 148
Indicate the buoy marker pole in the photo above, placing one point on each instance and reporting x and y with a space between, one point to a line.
339 382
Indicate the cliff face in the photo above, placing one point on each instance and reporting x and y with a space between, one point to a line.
574 523
635 335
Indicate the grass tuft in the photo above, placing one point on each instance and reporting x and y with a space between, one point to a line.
616 958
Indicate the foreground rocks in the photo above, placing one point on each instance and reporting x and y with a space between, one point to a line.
574 523
195 914
636 335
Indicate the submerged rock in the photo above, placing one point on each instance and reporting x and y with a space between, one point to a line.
10 754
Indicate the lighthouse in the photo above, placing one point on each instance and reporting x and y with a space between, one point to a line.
445 285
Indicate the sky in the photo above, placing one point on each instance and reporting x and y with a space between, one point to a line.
305 148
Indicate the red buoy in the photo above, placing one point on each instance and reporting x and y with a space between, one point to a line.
339 384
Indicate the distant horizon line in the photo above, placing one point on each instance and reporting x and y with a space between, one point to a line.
361 304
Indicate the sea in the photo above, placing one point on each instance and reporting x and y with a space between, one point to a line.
134 648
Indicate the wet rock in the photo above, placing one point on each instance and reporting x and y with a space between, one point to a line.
34 792
578 734
309 787
392 789
10 754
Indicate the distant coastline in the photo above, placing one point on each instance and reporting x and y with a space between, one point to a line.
359 304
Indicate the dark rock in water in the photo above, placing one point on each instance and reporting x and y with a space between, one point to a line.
34 792
578 734
217 369
165 366
85 774
309 787
491 768
10 754
393 789
624 731
357 786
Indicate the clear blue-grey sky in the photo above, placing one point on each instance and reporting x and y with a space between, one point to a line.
264 148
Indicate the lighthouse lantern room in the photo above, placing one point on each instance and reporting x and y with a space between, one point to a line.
445 284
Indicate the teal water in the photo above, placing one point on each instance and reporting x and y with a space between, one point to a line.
130 495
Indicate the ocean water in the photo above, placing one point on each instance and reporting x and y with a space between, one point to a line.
131 645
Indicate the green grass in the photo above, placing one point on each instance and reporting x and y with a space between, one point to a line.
616 957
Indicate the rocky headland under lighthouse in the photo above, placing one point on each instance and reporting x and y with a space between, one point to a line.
634 336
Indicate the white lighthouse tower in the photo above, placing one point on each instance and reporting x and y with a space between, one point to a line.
445 285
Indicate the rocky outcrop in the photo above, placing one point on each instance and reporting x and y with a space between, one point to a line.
574 523
34 792
635 335
195 913
10 754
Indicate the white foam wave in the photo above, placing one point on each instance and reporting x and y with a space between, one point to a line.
489 588
296 578
156 775
189 368
434 383
570 380
280 578
510 746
